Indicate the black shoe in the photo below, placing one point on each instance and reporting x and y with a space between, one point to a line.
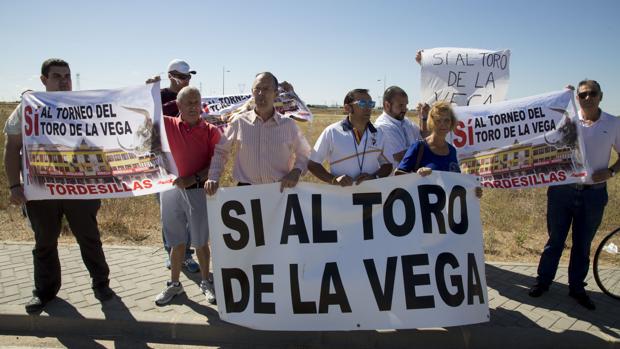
103 292
35 305
583 299
538 290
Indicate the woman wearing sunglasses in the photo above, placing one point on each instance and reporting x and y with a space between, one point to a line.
434 153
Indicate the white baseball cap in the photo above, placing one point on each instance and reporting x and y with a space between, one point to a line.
180 66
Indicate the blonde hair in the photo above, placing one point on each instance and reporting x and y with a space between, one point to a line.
440 108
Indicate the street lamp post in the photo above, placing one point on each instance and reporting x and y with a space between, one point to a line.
224 71
380 101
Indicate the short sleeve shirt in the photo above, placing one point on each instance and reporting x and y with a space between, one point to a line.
337 145
13 125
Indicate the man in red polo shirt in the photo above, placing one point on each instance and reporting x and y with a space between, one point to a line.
192 141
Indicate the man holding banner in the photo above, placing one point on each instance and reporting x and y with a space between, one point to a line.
581 205
46 215
192 141
353 147
179 74
399 131
271 148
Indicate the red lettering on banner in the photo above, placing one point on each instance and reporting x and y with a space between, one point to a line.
527 181
58 189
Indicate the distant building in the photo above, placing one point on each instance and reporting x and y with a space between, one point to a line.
88 164
520 160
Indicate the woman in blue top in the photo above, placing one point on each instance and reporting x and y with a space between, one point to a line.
436 153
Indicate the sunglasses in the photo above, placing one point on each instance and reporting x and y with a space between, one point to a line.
362 103
181 76
592 94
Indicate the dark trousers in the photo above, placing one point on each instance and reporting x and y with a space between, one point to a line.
46 219
583 209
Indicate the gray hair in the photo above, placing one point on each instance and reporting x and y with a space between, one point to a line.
186 91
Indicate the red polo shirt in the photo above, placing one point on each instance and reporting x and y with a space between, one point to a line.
192 148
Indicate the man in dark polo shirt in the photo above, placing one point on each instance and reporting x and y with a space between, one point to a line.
179 74
192 142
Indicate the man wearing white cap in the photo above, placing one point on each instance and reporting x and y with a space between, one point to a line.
179 74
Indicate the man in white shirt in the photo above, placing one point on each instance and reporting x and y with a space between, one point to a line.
398 130
353 147
580 205
45 216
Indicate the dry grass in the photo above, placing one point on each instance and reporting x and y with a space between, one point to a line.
513 220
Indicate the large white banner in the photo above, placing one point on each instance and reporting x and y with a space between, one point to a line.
398 252
219 110
526 142
95 144
464 76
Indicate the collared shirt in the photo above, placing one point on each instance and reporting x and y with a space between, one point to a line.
345 156
399 135
169 102
192 147
599 138
266 150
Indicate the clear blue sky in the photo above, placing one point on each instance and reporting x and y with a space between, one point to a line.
324 48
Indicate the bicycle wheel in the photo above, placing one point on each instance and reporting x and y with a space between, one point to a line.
607 265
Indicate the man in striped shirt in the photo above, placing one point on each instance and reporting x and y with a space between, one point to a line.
270 148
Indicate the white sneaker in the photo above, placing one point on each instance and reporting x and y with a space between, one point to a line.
207 288
168 293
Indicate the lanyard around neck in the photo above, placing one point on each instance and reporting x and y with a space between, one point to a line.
357 155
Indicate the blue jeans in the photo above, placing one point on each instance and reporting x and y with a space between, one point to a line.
583 208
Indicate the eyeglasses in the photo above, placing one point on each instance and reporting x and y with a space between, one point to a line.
181 76
362 103
592 94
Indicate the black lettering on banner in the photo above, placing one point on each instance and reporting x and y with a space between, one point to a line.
458 192
257 220
367 200
384 296
388 212
427 208
229 274
299 227
339 297
299 306
474 287
453 300
260 287
235 224
318 234
411 280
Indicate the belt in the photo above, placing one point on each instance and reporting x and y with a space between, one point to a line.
242 184
579 186
198 185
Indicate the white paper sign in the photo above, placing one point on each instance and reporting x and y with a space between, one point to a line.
464 76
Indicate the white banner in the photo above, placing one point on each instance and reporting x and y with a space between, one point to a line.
526 142
95 144
399 252
220 110
464 76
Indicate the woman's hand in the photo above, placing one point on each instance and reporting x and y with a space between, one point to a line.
424 171
478 192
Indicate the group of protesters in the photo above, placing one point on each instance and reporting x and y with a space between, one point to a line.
270 148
